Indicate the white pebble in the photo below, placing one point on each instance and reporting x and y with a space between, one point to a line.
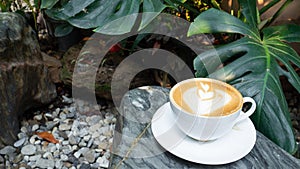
87 137
32 139
26 158
28 149
103 162
77 154
37 142
57 110
35 127
75 147
64 157
20 142
67 100
34 158
38 117
65 143
47 155
24 129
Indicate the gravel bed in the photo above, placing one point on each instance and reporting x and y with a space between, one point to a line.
84 138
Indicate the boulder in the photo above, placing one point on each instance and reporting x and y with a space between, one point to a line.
24 80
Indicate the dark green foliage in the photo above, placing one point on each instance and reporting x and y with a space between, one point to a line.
256 70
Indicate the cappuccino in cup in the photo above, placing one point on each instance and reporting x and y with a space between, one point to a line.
207 109
207 97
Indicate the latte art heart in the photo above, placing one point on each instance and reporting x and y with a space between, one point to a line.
204 92
207 99
205 102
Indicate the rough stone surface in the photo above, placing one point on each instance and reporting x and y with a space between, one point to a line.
24 78
133 138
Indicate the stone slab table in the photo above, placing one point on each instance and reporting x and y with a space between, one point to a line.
135 147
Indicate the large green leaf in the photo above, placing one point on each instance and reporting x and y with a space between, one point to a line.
106 16
47 4
206 22
151 8
289 33
250 12
75 6
255 74
252 66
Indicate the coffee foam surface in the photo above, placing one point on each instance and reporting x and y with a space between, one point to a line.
207 99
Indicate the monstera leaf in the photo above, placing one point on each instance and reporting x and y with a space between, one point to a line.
99 13
252 65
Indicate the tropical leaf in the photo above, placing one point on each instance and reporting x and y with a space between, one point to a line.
289 33
47 4
106 16
151 8
251 13
252 66
63 29
205 22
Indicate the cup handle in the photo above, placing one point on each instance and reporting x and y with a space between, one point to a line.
244 115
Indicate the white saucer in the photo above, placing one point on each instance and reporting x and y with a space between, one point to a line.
229 148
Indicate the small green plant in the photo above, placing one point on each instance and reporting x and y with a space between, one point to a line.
5 5
252 65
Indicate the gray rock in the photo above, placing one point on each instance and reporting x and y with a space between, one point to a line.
82 144
63 116
7 150
35 157
64 127
73 159
71 115
65 143
58 164
67 100
95 165
92 120
67 149
89 156
90 143
47 155
45 163
265 154
38 117
33 139
51 124
73 140
95 127
21 67
22 135
103 162
20 142
87 137
83 132
85 166
77 154
18 158
63 157
28 149
1 159
35 127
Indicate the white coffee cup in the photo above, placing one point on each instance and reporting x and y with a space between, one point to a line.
207 109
